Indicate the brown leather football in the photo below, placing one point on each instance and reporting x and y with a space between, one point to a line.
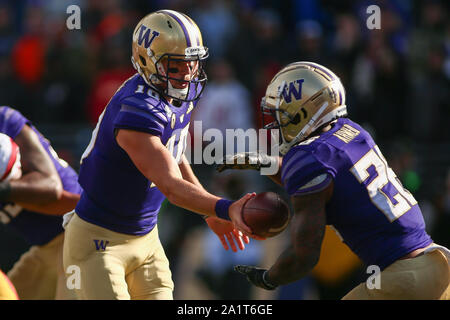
266 214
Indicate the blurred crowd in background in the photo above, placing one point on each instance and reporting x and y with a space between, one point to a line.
396 78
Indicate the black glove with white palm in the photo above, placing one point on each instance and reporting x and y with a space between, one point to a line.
245 160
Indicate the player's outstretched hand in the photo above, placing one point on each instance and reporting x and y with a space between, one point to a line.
244 160
235 213
255 276
225 231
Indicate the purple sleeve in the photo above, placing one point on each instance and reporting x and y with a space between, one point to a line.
139 115
303 173
11 121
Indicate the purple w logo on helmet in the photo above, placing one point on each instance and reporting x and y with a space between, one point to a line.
144 35
291 89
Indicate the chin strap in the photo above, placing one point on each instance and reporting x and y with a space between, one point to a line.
177 93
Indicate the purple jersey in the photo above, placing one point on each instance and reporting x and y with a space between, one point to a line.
116 195
36 228
375 216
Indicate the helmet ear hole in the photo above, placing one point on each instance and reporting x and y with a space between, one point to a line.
144 63
296 119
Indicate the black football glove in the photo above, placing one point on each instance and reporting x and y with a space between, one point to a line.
244 160
255 276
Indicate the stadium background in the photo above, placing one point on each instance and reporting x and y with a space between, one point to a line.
397 82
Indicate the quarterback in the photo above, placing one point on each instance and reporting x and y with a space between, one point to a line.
336 175
36 189
135 160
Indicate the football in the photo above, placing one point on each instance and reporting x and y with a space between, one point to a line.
266 214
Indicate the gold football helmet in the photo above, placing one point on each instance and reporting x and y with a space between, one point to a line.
161 38
301 98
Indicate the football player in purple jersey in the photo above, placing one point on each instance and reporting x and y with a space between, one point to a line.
336 175
135 160
36 189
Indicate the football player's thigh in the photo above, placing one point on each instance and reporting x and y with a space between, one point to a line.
425 277
101 272
102 278
357 293
446 294
63 292
33 276
434 278
152 280
394 284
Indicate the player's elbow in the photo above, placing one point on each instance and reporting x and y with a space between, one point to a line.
55 189
174 197
48 192
170 190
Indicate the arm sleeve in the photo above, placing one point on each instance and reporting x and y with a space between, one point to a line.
11 121
303 173
140 115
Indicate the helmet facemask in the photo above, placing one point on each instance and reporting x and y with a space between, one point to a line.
191 89
270 106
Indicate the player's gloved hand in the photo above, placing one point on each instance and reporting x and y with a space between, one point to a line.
245 160
256 276
225 231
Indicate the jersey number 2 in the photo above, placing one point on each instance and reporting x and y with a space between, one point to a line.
384 188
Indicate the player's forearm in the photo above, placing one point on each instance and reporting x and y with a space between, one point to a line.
187 173
34 188
66 203
307 232
190 196
40 182
291 267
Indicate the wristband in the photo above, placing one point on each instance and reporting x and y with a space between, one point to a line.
222 207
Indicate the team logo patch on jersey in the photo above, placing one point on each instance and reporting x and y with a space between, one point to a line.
346 133
100 244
